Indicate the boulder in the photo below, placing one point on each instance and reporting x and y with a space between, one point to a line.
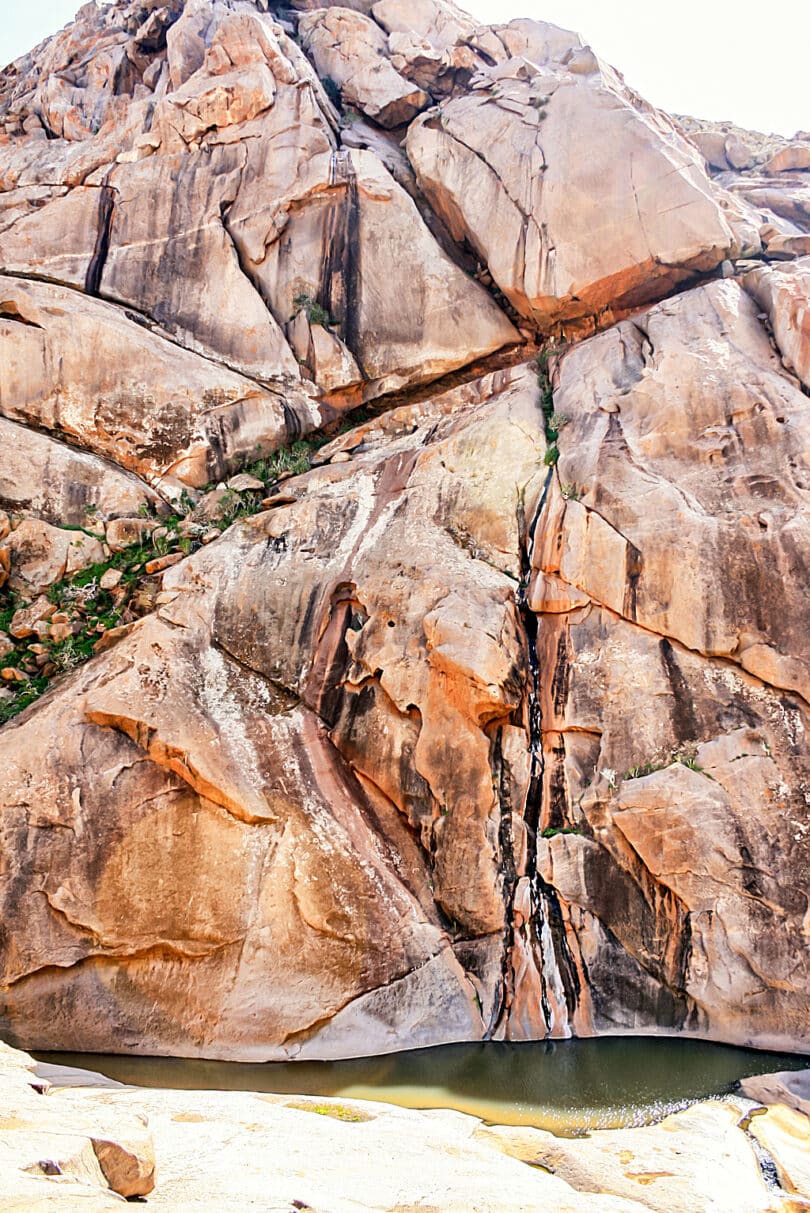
784 294
60 484
42 554
351 50
789 159
141 401
502 164
790 1088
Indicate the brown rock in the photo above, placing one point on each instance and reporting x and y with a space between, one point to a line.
162 562
24 620
6 646
790 159
127 1162
12 674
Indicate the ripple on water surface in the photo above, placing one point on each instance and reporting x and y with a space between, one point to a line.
565 1086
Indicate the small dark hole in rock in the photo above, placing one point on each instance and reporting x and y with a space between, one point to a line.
391 623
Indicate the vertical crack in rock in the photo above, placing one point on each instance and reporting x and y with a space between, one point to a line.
534 935
340 288
95 270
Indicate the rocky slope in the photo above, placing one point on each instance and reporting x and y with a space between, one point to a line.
492 723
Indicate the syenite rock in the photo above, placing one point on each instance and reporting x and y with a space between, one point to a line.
461 736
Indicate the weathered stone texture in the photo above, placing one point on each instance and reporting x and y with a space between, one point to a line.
494 722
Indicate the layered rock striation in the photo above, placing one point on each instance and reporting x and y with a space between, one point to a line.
492 724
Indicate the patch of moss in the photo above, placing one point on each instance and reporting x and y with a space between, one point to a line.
336 1111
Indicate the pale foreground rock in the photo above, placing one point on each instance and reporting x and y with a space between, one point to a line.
785 1134
282 1152
784 1131
67 1149
695 1161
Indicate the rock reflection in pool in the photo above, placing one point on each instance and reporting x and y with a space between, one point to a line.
565 1086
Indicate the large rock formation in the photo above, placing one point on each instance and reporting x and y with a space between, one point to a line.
492 724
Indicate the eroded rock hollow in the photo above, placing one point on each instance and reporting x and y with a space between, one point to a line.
491 724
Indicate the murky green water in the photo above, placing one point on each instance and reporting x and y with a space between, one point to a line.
564 1086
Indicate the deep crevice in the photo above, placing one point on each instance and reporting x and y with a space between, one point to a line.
95 270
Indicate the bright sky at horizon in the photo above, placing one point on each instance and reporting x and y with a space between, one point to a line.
693 57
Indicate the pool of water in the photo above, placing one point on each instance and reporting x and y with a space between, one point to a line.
565 1086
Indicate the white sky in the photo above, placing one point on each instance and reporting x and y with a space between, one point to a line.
722 59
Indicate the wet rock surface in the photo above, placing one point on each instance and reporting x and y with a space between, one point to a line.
415 559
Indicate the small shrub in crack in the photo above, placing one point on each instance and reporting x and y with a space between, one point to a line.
315 313
553 422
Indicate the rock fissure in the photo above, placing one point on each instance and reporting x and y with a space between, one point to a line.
106 208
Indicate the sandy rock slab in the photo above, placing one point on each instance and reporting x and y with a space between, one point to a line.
67 1148
700 1160
237 1151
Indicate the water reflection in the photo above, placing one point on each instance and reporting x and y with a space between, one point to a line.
564 1086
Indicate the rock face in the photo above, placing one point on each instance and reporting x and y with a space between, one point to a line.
491 724
580 198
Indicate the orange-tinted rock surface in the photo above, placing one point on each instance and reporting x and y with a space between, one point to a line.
494 722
